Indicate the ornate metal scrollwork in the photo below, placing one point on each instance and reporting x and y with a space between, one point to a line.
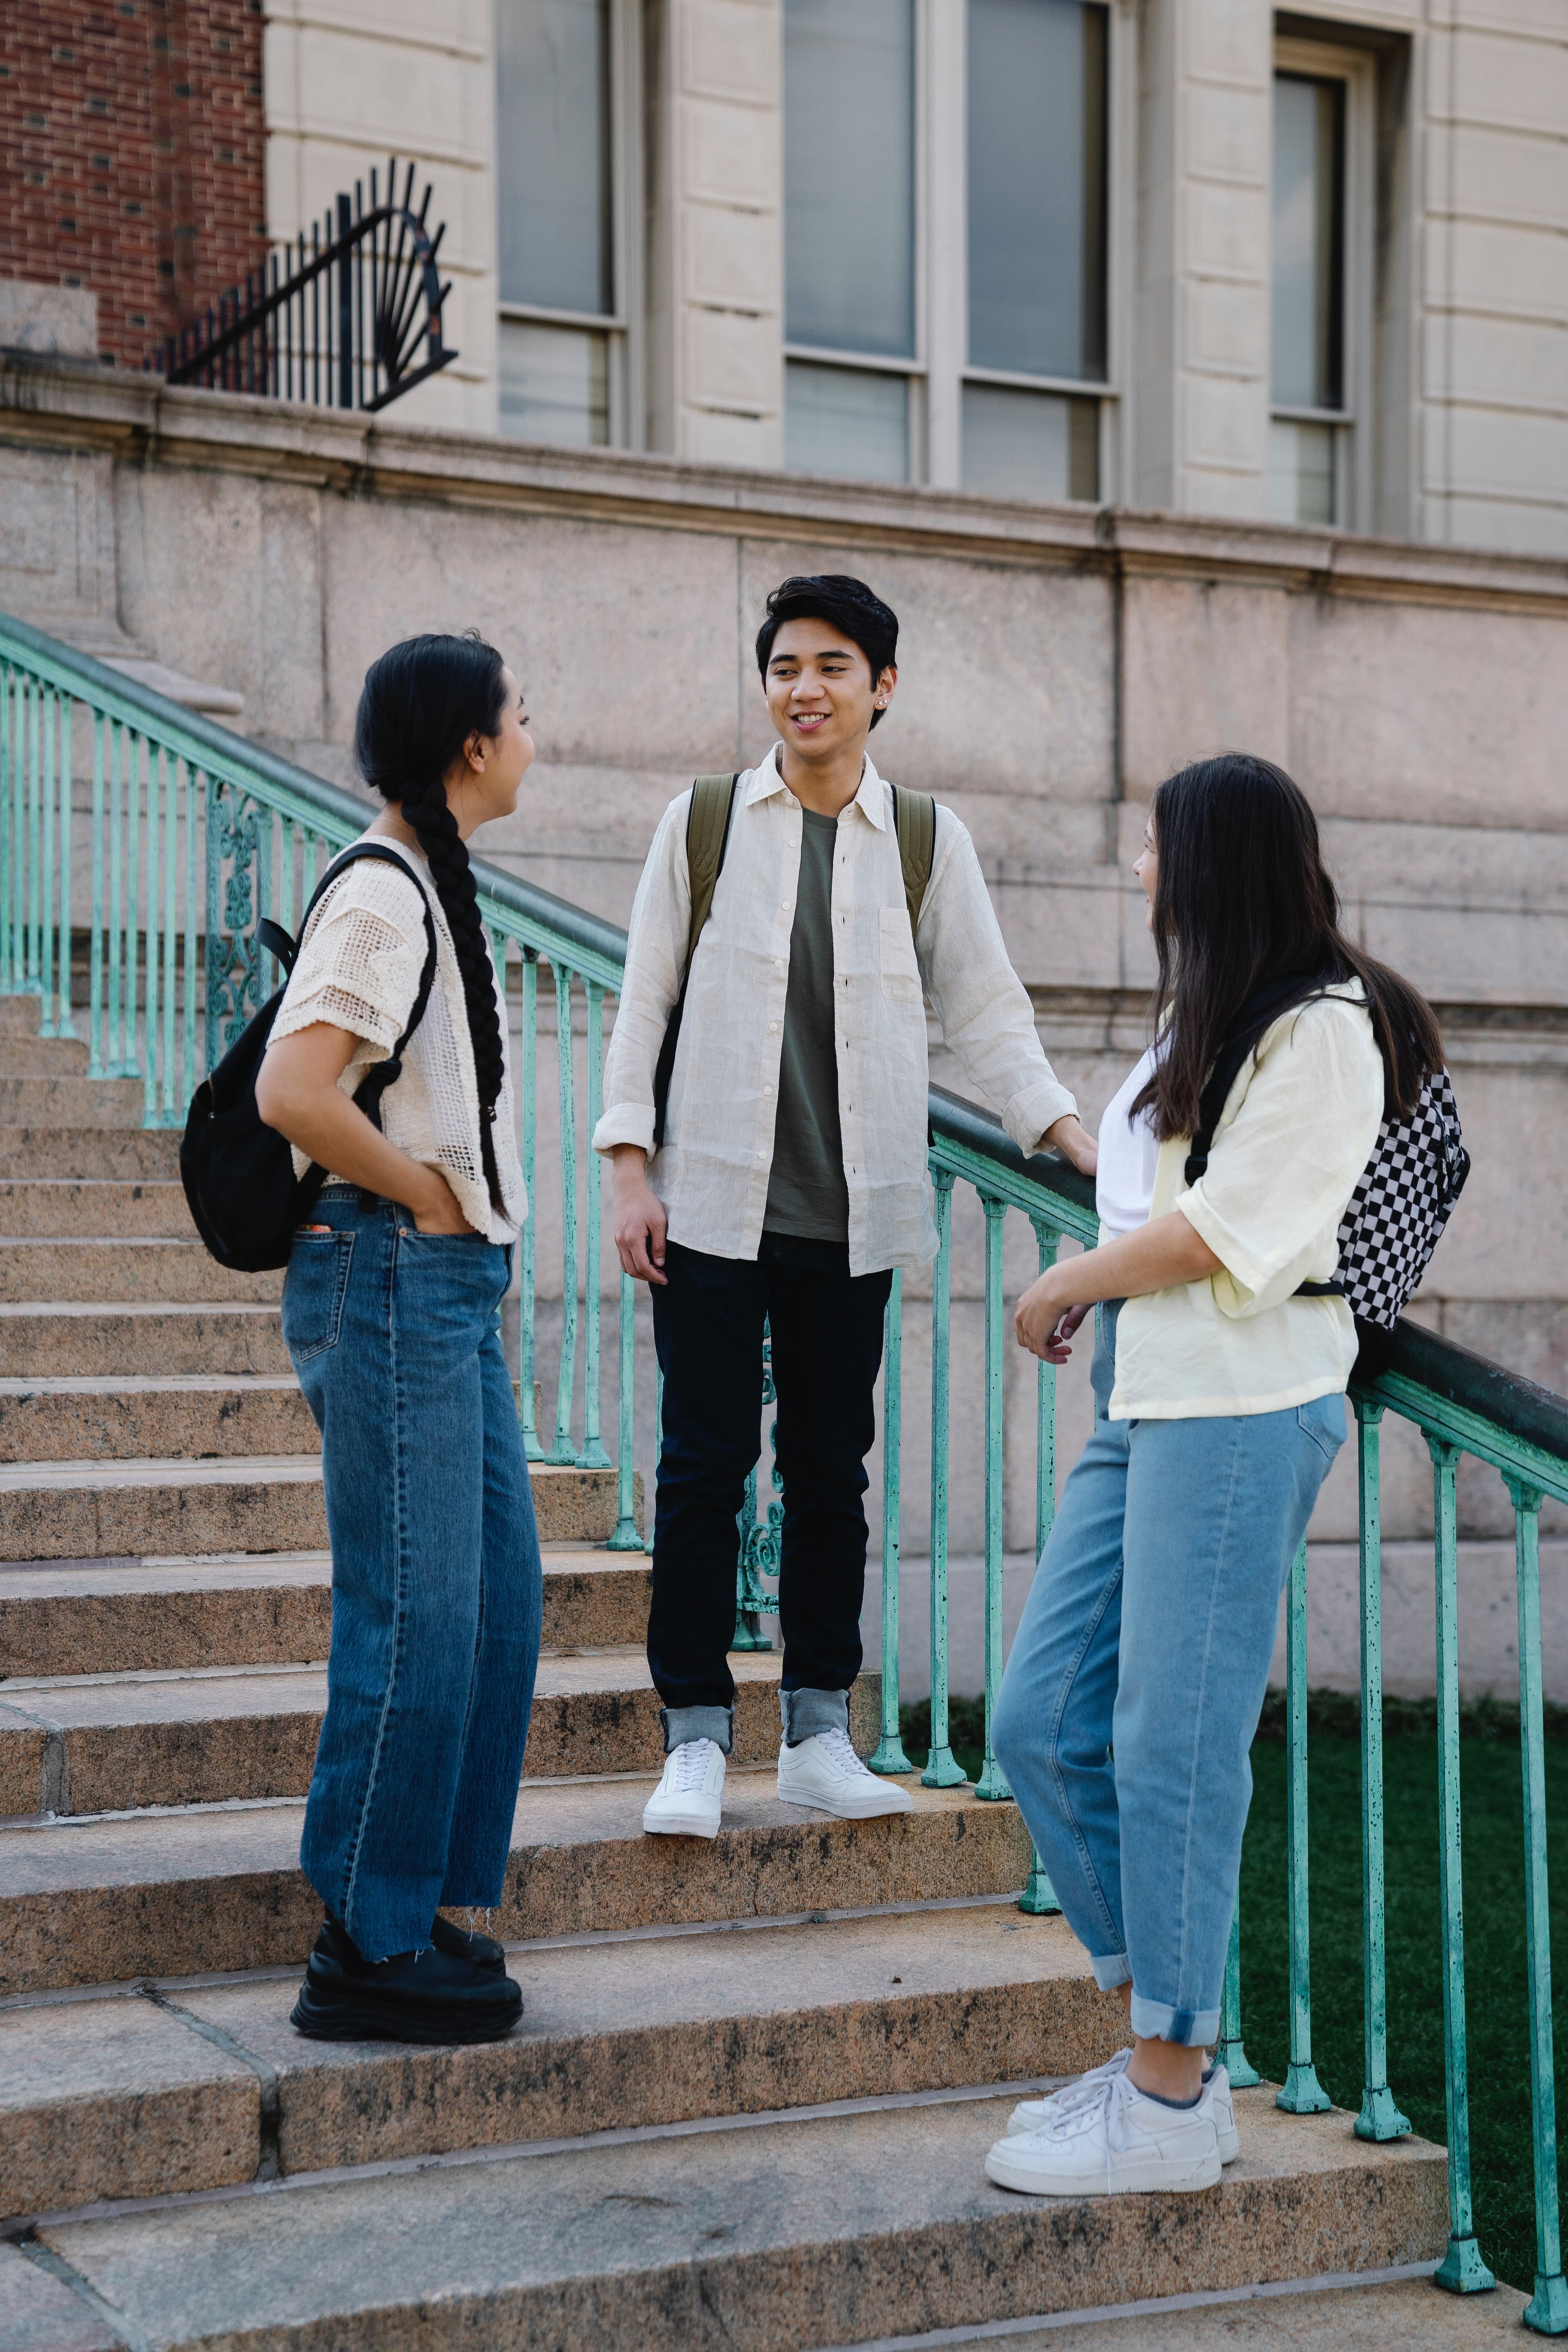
760 1539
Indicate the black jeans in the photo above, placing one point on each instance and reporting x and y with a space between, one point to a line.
827 1329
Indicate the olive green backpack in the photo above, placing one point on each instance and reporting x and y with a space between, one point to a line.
707 837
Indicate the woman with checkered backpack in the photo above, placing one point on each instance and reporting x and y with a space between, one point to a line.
1292 1135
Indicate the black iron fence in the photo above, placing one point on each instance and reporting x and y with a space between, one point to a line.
347 316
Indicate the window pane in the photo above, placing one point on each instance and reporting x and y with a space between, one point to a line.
554 385
1301 472
552 146
846 421
1029 445
849 175
1036 188
1308 243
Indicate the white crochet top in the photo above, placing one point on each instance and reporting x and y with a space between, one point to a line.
358 969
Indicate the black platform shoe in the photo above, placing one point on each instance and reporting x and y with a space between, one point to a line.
432 1996
468 1944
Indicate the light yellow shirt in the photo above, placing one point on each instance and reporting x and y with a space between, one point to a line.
1297 1130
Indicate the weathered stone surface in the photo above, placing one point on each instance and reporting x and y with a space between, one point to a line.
70 1102
40 2313
22 1740
766 2239
124 1269
91 1208
1402 2316
107 1419
175 1894
125 1154
117 2098
43 1057
50 1341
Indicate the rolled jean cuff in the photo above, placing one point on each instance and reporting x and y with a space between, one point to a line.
807 1712
1190 2029
681 1724
1110 1970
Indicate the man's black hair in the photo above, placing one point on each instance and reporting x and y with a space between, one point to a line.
846 606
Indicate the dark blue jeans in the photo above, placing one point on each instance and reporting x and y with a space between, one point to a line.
826 1329
436 1589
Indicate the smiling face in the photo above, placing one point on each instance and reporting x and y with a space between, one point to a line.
821 695
486 780
1146 866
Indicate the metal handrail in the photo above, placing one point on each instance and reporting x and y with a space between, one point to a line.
277 336
173 794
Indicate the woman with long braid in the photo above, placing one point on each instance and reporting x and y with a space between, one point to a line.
390 1312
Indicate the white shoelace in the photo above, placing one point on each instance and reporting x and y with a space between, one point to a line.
1103 2104
841 1754
690 1761
1088 2087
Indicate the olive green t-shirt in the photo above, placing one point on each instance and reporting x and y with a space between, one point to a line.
807 1191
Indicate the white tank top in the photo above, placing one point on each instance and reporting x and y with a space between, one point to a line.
1124 1181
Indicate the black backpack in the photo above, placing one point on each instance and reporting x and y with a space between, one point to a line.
1405 1196
238 1172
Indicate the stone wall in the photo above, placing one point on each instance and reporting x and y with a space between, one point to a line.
1055 664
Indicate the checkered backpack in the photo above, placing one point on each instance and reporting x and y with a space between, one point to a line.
1407 1189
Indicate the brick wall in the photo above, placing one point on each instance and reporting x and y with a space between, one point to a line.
133 155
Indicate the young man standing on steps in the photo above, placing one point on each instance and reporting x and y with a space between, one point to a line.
784 1176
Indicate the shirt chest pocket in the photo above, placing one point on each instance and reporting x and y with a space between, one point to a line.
900 973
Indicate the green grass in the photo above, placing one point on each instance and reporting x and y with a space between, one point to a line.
1495 1958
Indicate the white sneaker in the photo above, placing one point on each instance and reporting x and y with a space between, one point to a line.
824 1771
1033 2115
1113 2141
686 1801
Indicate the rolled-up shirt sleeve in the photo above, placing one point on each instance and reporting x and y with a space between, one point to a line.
1286 1160
983 1007
655 962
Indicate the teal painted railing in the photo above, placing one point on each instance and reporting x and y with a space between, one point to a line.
140 845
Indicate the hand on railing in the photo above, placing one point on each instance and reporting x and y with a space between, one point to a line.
640 1221
1075 1143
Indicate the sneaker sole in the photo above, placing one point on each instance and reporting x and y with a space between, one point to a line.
877 1813
372 2021
1229 2141
1137 2180
688 1828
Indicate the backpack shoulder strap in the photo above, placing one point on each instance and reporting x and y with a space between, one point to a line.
357 854
914 821
707 839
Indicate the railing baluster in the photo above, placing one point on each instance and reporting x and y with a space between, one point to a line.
116 942
528 1090
130 1066
1303 2095
1039 1896
170 907
32 696
6 856
1547 2311
593 1456
149 979
95 1059
64 713
1461 2270
888 1754
50 719
942 1770
195 783
563 1450
1379 2118
1228 2050
624 1536
992 1782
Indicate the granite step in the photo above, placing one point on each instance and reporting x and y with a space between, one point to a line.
71 1102
97 1902
121 1154
806 2232
256 1503
115 2098
273 1609
42 1057
54 1340
93 1209
122 1270
19 1014
102 1743
186 1417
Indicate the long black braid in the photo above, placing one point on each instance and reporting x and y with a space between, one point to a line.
421 702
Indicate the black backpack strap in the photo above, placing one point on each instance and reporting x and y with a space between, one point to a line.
381 1075
1259 1010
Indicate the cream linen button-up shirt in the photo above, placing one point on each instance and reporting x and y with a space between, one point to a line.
712 1172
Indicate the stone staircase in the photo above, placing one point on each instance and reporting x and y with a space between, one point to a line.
754 2080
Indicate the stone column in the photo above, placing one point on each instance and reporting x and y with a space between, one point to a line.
1201 312
715 324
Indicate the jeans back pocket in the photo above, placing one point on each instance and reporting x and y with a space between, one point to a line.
314 1289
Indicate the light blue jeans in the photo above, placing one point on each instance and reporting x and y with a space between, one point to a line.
436 1589
1137 1679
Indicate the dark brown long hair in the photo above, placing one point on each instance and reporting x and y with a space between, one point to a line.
1243 899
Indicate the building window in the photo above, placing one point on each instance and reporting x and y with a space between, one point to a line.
1319 339
849 236
565 360
945 242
